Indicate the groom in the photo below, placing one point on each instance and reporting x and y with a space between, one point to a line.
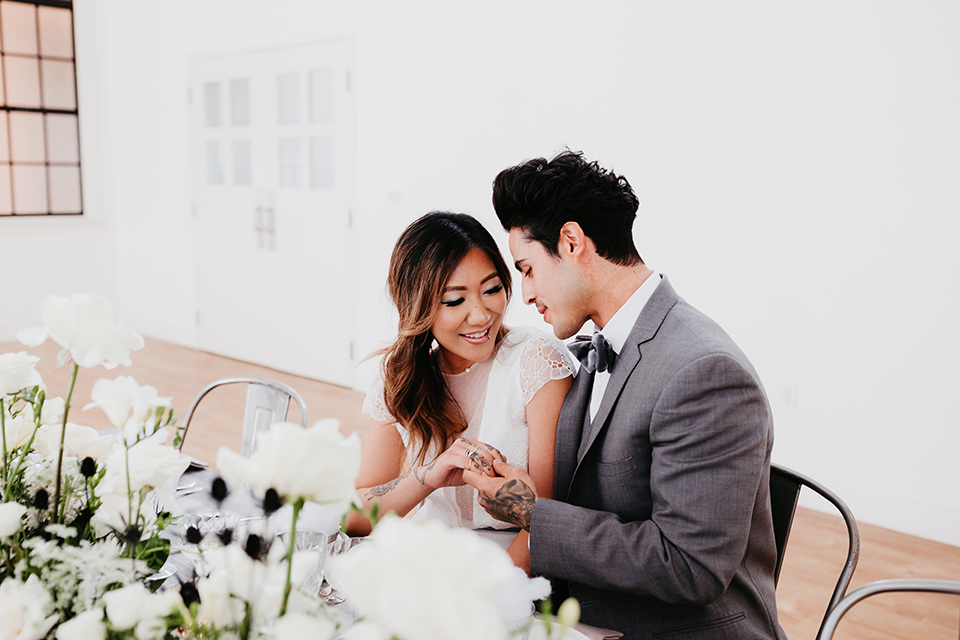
660 523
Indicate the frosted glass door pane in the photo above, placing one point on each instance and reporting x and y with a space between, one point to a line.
19 27
4 141
62 138
65 190
211 97
29 189
290 165
56 32
288 98
321 95
240 102
26 137
6 201
242 168
214 168
58 91
321 163
23 81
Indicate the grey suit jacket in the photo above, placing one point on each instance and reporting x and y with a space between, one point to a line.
662 528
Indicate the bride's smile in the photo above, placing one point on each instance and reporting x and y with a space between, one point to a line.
471 312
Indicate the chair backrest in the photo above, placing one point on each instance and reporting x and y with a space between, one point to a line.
883 586
785 486
267 402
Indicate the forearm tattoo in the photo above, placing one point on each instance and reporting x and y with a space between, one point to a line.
513 503
421 477
381 490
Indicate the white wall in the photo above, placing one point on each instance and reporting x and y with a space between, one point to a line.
796 165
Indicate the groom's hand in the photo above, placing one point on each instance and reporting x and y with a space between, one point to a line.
509 497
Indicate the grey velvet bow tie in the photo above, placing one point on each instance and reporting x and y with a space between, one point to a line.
594 352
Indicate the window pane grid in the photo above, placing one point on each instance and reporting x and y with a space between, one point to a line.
39 130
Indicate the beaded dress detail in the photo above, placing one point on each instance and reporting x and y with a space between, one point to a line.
493 396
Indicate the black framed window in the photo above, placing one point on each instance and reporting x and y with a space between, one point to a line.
39 124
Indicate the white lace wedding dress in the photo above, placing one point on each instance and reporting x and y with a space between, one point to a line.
493 395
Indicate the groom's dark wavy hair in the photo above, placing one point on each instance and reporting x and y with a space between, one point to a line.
539 196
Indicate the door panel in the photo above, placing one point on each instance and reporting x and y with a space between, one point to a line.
274 186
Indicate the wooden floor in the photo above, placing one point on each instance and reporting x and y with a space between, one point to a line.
814 556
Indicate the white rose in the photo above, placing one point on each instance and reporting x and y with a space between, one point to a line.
17 372
217 604
123 400
375 576
83 326
247 580
317 464
10 515
52 411
23 609
135 606
79 442
152 465
85 626
18 430
297 626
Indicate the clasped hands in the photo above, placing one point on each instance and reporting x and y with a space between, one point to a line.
506 492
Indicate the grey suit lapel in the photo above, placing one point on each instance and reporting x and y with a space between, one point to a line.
644 329
569 432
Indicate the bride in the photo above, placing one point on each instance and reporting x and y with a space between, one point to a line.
457 387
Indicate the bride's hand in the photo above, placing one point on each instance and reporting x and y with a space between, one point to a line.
446 470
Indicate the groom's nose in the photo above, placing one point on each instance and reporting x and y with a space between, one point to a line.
529 295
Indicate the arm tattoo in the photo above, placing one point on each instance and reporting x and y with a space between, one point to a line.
422 477
513 503
381 490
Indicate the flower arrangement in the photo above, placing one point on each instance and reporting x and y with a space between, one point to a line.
85 522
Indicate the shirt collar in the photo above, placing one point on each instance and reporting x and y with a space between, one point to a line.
620 325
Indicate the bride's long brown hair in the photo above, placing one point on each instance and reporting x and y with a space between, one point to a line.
424 258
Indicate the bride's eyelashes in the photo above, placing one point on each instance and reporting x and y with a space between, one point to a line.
495 289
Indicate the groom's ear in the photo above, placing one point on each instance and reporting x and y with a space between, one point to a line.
573 241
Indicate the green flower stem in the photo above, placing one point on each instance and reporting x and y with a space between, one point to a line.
3 430
130 522
297 506
25 449
63 437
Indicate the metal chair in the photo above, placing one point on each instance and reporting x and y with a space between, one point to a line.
785 486
267 402
883 586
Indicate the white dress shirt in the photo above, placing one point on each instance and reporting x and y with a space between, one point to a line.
616 332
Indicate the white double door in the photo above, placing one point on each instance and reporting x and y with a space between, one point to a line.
274 180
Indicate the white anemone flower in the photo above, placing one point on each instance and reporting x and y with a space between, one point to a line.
375 577
83 326
17 372
317 464
127 404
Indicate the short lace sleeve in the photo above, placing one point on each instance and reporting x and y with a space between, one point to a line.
374 405
545 358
